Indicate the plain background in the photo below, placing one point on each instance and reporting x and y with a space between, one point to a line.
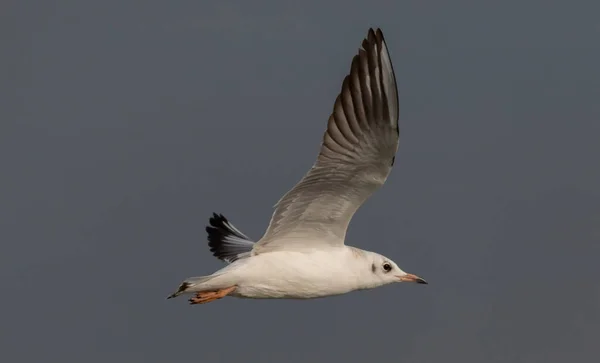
125 124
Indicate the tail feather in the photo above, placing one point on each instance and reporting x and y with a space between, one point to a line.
226 242
188 284
184 286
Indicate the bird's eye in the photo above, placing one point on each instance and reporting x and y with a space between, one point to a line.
387 267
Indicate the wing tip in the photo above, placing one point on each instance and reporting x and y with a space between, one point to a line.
374 36
225 241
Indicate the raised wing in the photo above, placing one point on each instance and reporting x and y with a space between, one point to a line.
355 159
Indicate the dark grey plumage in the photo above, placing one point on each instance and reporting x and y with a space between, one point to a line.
225 241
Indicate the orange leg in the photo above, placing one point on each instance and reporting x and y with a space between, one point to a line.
208 296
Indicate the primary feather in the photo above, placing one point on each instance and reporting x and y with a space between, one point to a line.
226 242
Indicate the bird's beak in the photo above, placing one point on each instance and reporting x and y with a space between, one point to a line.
411 278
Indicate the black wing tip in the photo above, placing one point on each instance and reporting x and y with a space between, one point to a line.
375 39
216 230
217 220
371 37
374 36
372 43
219 232
184 285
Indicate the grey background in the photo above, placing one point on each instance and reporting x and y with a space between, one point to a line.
125 124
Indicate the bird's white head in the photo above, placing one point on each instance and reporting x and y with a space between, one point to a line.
383 270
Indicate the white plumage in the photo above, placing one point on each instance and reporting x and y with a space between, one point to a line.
302 253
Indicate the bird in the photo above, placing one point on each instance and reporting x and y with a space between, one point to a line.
302 254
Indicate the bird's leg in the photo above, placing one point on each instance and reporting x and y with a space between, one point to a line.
204 297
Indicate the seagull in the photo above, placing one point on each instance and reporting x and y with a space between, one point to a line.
302 254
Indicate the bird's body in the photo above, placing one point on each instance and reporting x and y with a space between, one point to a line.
303 254
296 274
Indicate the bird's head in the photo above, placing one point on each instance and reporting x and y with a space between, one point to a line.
387 271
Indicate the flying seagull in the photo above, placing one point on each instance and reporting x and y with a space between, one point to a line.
302 255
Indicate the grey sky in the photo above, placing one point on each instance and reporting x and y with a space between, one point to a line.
125 124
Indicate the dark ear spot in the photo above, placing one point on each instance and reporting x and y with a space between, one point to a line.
373 268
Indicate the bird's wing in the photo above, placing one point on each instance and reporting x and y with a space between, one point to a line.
356 157
226 242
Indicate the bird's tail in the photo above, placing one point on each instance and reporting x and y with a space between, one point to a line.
190 285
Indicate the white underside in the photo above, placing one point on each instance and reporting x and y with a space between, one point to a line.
295 275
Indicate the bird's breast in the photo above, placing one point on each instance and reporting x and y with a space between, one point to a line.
296 275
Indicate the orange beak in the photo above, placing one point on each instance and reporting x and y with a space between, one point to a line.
412 278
